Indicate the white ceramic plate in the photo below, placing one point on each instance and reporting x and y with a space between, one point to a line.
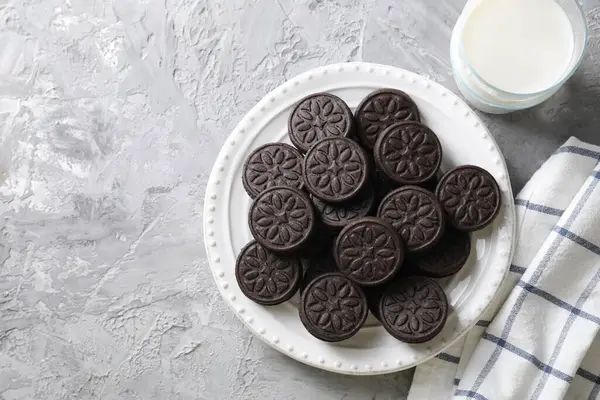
465 140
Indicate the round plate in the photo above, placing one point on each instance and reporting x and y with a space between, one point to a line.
465 140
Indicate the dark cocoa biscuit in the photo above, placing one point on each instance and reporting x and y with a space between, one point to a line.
336 170
319 116
317 266
274 164
333 308
448 257
282 219
381 109
416 215
414 310
266 277
470 197
369 251
337 215
408 153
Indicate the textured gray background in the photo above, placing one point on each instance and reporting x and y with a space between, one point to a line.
111 114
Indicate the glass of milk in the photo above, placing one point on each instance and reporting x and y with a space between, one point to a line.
509 55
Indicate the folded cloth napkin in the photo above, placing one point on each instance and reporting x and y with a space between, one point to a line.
537 339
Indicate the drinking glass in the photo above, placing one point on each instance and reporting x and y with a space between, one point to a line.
490 99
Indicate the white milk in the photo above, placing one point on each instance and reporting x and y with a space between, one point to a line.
519 46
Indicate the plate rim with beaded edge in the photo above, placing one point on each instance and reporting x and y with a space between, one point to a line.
464 139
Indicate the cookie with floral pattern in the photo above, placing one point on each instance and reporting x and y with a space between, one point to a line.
379 110
266 277
470 197
333 308
369 251
416 215
336 170
317 117
282 219
408 153
414 309
274 164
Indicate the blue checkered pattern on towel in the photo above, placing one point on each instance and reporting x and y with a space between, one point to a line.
537 339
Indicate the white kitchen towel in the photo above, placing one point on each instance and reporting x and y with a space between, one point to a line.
544 307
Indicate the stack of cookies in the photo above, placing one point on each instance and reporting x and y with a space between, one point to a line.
357 216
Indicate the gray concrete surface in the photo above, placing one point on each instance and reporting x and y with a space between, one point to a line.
111 114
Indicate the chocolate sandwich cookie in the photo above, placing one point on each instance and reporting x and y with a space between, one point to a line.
336 216
265 277
319 116
416 215
282 219
470 197
381 109
408 153
336 170
333 308
274 164
316 267
414 310
369 251
448 257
